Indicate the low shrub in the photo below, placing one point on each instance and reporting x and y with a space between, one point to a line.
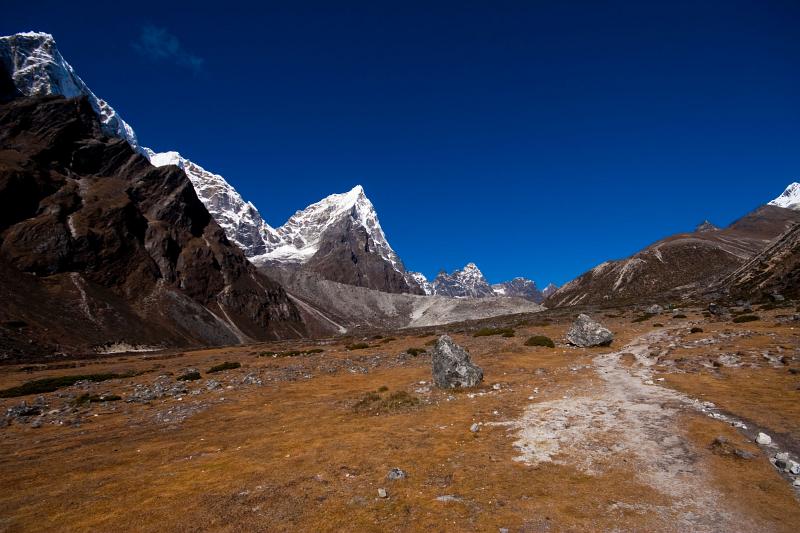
745 318
679 315
40 386
224 366
83 399
646 316
357 346
194 375
383 388
416 351
696 330
658 325
540 340
388 339
377 403
488 332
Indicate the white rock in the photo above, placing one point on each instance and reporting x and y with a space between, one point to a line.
475 427
764 439
496 386
382 493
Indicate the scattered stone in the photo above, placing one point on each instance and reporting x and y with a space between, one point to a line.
654 309
496 386
382 493
452 367
722 446
587 332
448 498
717 310
764 439
396 474
475 427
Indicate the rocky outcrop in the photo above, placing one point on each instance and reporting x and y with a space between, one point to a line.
452 367
112 249
586 332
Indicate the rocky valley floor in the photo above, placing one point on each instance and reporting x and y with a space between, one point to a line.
656 432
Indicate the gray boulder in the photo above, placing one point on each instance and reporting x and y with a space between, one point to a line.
452 368
654 309
587 332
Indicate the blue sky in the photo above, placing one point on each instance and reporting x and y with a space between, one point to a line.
533 138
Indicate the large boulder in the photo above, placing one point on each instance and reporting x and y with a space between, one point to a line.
452 368
587 332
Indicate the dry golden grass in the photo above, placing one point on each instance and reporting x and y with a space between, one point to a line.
294 455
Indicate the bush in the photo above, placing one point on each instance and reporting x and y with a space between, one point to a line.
679 315
540 340
745 318
40 386
374 402
416 351
696 330
658 325
357 346
190 376
388 339
224 366
488 332
83 399
646 316
383 388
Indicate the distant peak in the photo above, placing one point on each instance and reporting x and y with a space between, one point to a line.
471 266
705 226
790 198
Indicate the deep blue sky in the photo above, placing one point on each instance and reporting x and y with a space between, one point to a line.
533 138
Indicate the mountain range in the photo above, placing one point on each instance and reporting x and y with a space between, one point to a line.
339 237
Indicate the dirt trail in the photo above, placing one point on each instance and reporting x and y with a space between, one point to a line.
625 420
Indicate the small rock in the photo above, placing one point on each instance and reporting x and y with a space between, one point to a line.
586 332
496 386
654 309
475 427
717 310
396 474
794 467
382 493
764 439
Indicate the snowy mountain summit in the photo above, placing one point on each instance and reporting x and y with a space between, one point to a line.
302 235
790 198
468 282
38 69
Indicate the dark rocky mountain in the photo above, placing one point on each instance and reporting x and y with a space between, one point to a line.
678 265
98 247
468 282
776 270
520 287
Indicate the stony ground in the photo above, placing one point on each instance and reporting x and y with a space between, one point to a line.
656 432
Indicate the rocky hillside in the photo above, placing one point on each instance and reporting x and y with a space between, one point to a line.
776 270
98 247
681 263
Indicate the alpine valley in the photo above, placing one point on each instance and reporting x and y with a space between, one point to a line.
169 361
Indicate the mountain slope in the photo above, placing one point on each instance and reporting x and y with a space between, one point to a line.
775 270
682 263
109 249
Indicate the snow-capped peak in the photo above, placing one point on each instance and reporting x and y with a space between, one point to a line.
38 69
790 198
301 235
